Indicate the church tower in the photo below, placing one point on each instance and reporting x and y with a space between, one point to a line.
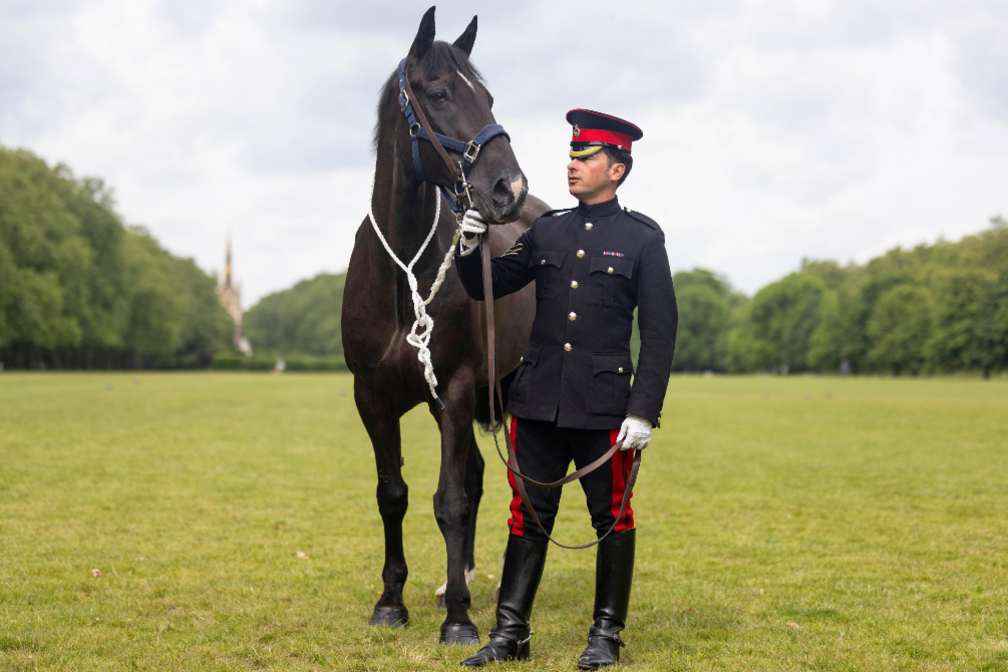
230 298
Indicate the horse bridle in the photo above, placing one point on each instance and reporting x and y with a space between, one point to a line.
420 129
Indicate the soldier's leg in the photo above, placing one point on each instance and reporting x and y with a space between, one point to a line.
541 457
614 560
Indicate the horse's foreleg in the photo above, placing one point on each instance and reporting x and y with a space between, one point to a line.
474 492
382 424
452 506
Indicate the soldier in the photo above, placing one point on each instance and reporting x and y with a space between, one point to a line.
571 398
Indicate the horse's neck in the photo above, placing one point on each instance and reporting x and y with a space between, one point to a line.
403 212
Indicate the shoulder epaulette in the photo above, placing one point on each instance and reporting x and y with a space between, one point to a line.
554 213
643 219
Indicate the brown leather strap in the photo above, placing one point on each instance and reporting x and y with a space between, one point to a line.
520 479
455 171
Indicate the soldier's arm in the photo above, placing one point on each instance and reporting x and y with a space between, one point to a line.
510 271
657 317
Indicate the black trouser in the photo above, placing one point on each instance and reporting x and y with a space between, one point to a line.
544 452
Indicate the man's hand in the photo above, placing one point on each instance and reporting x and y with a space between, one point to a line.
635 433
473 227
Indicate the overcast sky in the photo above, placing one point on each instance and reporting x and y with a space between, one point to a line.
773 130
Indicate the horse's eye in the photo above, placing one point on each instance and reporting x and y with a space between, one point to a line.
439 96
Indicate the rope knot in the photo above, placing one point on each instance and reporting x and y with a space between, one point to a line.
421 339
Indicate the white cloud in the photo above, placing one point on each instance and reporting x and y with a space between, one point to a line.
773 130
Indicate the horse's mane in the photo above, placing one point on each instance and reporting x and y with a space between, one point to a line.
441 56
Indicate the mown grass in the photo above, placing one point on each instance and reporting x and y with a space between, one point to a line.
784 524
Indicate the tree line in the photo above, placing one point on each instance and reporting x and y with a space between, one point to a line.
79 289
933 308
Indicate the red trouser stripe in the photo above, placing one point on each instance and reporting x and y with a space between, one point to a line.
517 520
621 463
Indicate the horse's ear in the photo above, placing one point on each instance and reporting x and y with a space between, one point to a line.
424 37
466 40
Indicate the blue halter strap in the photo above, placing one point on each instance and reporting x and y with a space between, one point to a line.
469 150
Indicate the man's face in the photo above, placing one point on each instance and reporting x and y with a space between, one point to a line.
591 178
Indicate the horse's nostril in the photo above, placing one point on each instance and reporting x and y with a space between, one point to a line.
502 194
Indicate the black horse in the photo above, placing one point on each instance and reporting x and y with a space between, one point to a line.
378 311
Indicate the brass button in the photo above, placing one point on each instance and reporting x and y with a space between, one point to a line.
588 226
567 347
572 316
574 284
620 369
542 263
521 359
580 253
609 271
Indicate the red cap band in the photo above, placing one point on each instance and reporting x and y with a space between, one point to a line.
598 135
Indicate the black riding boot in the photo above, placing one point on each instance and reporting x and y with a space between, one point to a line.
509 637
613 576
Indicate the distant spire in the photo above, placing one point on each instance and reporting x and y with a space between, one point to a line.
227 263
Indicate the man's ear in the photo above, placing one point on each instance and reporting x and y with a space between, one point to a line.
616 172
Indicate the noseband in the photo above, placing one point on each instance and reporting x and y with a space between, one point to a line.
420 129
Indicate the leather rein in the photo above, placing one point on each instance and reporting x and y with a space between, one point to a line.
420 129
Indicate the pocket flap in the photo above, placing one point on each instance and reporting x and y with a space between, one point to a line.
618 364
531 354
612 266
548 258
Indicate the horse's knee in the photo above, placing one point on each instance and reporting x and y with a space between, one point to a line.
393 497
451 508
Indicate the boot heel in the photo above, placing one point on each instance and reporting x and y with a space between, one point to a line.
523 651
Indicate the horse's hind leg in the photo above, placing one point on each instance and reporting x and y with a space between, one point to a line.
382 424
453 508
474 492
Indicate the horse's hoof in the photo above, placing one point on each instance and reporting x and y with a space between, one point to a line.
391 617
466 634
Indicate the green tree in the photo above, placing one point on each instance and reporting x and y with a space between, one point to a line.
781 320
899 329
960 318
79 289
304 319
705 303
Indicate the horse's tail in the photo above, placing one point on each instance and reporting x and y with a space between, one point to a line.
483 403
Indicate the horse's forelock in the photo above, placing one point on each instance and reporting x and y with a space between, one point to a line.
441 56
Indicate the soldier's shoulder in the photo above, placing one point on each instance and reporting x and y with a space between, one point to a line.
642 218
555 213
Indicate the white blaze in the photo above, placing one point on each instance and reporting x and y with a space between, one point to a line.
464 79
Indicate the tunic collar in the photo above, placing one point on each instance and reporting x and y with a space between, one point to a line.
603 209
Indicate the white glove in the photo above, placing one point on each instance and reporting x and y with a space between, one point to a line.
472 227
635 433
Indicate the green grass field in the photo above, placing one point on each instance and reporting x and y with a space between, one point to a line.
784 524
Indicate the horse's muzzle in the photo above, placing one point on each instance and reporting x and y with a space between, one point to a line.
505 201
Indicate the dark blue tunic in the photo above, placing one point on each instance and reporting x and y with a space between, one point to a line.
592 267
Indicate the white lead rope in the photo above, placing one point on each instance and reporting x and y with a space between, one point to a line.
420 340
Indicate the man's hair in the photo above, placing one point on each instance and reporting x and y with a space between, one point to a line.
614 155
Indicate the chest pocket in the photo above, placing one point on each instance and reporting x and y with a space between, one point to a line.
547 264
609 281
